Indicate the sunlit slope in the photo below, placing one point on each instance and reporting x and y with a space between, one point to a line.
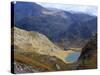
28 41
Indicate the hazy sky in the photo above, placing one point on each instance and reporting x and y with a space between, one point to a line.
76 8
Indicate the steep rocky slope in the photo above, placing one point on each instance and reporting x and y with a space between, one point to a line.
88 58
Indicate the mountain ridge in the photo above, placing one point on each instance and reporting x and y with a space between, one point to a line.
56 25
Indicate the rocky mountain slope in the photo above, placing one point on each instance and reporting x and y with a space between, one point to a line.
36 42
34 52
88 58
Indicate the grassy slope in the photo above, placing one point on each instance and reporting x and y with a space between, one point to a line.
42 62
30 61
35 49
34 41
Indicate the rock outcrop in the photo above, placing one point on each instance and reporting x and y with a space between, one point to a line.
88 58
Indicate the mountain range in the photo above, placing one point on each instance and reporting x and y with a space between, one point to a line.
52 39
60 26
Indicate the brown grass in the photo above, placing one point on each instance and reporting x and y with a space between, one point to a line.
32 62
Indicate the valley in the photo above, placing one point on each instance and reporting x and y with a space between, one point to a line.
40 52
36 42
50 39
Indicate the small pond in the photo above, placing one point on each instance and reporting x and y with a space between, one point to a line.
72 57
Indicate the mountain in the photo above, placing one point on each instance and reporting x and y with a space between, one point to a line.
88 58
29 41
34 52
56 24
26 9
80 32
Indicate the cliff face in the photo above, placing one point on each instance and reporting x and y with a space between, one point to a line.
88 58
